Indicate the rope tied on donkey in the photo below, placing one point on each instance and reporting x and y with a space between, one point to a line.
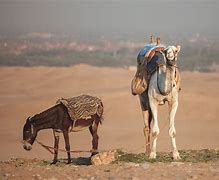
48 148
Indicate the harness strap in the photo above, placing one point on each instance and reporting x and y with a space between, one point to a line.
48 148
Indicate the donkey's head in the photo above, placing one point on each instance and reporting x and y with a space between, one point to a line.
29 134
171 53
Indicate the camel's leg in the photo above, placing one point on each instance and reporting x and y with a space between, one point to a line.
93 130
155 129
146 131
67 145
56 146
172 131
145 113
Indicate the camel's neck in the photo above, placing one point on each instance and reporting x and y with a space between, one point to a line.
165 78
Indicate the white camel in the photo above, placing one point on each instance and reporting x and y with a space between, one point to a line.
162 87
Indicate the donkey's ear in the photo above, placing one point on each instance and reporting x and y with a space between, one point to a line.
178 47
28 119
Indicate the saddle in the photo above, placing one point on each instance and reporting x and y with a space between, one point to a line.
157 58
147 63
149 58
82 107
149 55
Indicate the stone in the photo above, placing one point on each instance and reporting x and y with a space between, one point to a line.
132 164
145 165
177 163
104 158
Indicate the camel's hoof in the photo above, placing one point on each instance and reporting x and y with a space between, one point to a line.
176 156
152 155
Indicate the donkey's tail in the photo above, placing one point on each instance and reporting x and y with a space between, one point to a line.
100 112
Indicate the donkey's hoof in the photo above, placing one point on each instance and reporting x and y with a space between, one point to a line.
68 162
176 156
94 153
53 162
152 155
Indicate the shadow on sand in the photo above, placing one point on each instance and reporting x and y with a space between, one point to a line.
79 161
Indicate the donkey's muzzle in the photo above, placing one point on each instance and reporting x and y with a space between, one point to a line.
27 146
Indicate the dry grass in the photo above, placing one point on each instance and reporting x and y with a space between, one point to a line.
193 156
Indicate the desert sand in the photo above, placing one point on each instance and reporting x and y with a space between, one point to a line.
25 91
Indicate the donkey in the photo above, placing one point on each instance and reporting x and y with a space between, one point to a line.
163 86
58 119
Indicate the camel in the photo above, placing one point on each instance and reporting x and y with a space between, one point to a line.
163 86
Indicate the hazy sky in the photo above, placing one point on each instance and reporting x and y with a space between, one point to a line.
105 17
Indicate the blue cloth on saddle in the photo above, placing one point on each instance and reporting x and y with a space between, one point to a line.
147 48
157 59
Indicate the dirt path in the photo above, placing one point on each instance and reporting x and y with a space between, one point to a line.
37 169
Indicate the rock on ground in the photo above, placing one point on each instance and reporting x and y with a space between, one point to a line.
104 157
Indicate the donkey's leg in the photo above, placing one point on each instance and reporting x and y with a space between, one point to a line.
56 146
172 131
155 128
93 130
145 113
67 145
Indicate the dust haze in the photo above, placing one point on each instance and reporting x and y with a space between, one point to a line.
110 18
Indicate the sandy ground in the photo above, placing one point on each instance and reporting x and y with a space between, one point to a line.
27 91
33 169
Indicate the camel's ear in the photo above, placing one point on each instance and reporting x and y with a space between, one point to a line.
178 47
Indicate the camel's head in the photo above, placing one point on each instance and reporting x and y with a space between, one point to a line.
171 53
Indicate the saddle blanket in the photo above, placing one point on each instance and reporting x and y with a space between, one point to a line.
82 107
157 60
147 49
